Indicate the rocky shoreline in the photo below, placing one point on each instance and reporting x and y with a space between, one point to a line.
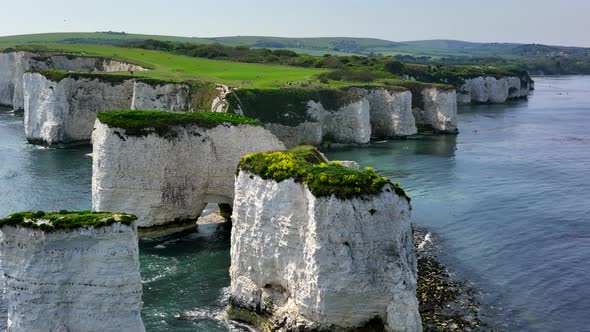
446 304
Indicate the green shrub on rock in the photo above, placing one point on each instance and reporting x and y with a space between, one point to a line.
306 165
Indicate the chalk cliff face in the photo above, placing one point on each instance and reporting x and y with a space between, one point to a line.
12 68
305 263
390 112
14 65
84 279
65 111
349 124
7 78
437 110
493 90
164 97
166 178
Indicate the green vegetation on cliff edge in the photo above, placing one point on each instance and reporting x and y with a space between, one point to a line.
141 123
48 221
306 165
287 106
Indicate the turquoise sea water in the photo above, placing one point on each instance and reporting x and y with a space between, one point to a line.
508 198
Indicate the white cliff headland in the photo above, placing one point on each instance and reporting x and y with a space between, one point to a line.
13 66
390 111
61 107
64 109
166 166
318 246
494 90
70 271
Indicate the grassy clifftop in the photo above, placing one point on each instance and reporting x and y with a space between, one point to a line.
173 67
141 123
306 165
49 221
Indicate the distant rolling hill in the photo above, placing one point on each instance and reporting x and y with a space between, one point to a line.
315 46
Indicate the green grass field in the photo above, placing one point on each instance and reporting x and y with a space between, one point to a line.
173 67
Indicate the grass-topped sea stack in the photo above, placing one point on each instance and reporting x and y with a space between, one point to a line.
166 166
319 246
71 271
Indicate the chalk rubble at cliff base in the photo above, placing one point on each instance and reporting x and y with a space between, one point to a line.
71 278
167 178
301 262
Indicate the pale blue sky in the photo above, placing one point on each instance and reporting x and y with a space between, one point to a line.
563 22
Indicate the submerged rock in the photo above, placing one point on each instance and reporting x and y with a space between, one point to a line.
320 247
166 166
71 271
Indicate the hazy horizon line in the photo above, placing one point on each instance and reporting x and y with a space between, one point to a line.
297 37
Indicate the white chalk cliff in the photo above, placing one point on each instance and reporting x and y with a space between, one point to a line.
390 111
493 90
163 178
14 65
305 263
65 111
163 97
84 279
438 110
349 124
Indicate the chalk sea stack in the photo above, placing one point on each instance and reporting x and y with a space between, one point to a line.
71 271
